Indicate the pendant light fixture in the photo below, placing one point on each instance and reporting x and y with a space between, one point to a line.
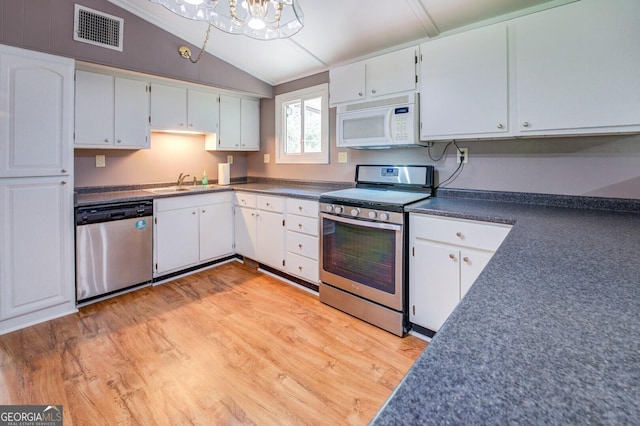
258 19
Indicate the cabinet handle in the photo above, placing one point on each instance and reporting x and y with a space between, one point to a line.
193 212
63 170
500 126
359 93
300 268
300 208
204 211
253 214
459 234
373 91
300 226
190 124
300 246
526 124
452 256
268 204
181 124
466 259
106 140
119 141
64 182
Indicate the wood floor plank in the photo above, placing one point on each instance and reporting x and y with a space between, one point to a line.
227 345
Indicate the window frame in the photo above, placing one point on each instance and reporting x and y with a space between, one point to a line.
322 157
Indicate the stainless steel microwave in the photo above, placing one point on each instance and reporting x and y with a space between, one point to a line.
382 123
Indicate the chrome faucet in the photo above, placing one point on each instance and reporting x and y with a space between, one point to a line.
181 179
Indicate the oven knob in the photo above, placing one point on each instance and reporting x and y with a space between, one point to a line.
338 209
355 212
329 208
384 216
373 215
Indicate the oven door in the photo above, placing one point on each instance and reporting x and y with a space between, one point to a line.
363 258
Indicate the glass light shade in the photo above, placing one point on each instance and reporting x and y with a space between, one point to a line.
257 19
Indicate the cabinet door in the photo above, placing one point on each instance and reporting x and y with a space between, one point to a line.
570 76
245 231
391 73
203 111
36 245
229 137
35 87
94 109
347 83
131 121
216 230
250 120
472 262
463 85
434 283
270 238
177 233
168 107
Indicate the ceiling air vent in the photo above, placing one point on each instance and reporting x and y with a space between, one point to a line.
97 28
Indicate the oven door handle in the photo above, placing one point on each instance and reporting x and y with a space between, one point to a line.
363 223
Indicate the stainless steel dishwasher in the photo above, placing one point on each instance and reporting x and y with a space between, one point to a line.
113 248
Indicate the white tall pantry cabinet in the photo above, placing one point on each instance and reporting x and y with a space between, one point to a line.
36 187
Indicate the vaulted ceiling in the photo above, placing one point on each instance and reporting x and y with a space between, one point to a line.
338 31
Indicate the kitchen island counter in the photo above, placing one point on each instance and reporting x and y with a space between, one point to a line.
550 331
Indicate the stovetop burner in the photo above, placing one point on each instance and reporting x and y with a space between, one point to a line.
385 187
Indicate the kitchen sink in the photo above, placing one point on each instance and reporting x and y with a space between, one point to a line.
168 189
175 189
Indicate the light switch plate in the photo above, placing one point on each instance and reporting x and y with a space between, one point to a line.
342 157
101 160
230 159
267 158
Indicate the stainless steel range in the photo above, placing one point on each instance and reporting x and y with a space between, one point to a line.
363 262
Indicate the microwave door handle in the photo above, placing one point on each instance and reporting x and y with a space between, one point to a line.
389 124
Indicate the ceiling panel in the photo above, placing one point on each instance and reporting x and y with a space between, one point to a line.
335 31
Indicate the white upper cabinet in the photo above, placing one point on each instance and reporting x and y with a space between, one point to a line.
168 107
463 85
203 111
577 68
380 76
35 87
546 74
181 109
239 125
111 112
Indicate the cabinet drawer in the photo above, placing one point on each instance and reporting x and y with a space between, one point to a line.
186 201
482 235
245 200
302 267
302 207
306 225
272 204
304 245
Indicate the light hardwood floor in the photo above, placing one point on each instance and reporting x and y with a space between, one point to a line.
227 345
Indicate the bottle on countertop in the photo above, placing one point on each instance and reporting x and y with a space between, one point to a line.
205 179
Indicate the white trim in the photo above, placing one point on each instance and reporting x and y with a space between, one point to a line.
282 157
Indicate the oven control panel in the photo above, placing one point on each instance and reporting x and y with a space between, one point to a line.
362 213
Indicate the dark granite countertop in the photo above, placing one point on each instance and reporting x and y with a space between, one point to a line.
95 196
548 334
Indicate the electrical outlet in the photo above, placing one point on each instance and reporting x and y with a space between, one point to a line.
342 157
267 158
462 155
230 159
101 160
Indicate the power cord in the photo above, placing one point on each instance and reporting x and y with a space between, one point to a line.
457 171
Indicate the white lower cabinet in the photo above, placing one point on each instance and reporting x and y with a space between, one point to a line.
190 230
28 238
259 222
447 255
303 244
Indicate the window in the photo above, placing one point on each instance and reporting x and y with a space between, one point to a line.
302 126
